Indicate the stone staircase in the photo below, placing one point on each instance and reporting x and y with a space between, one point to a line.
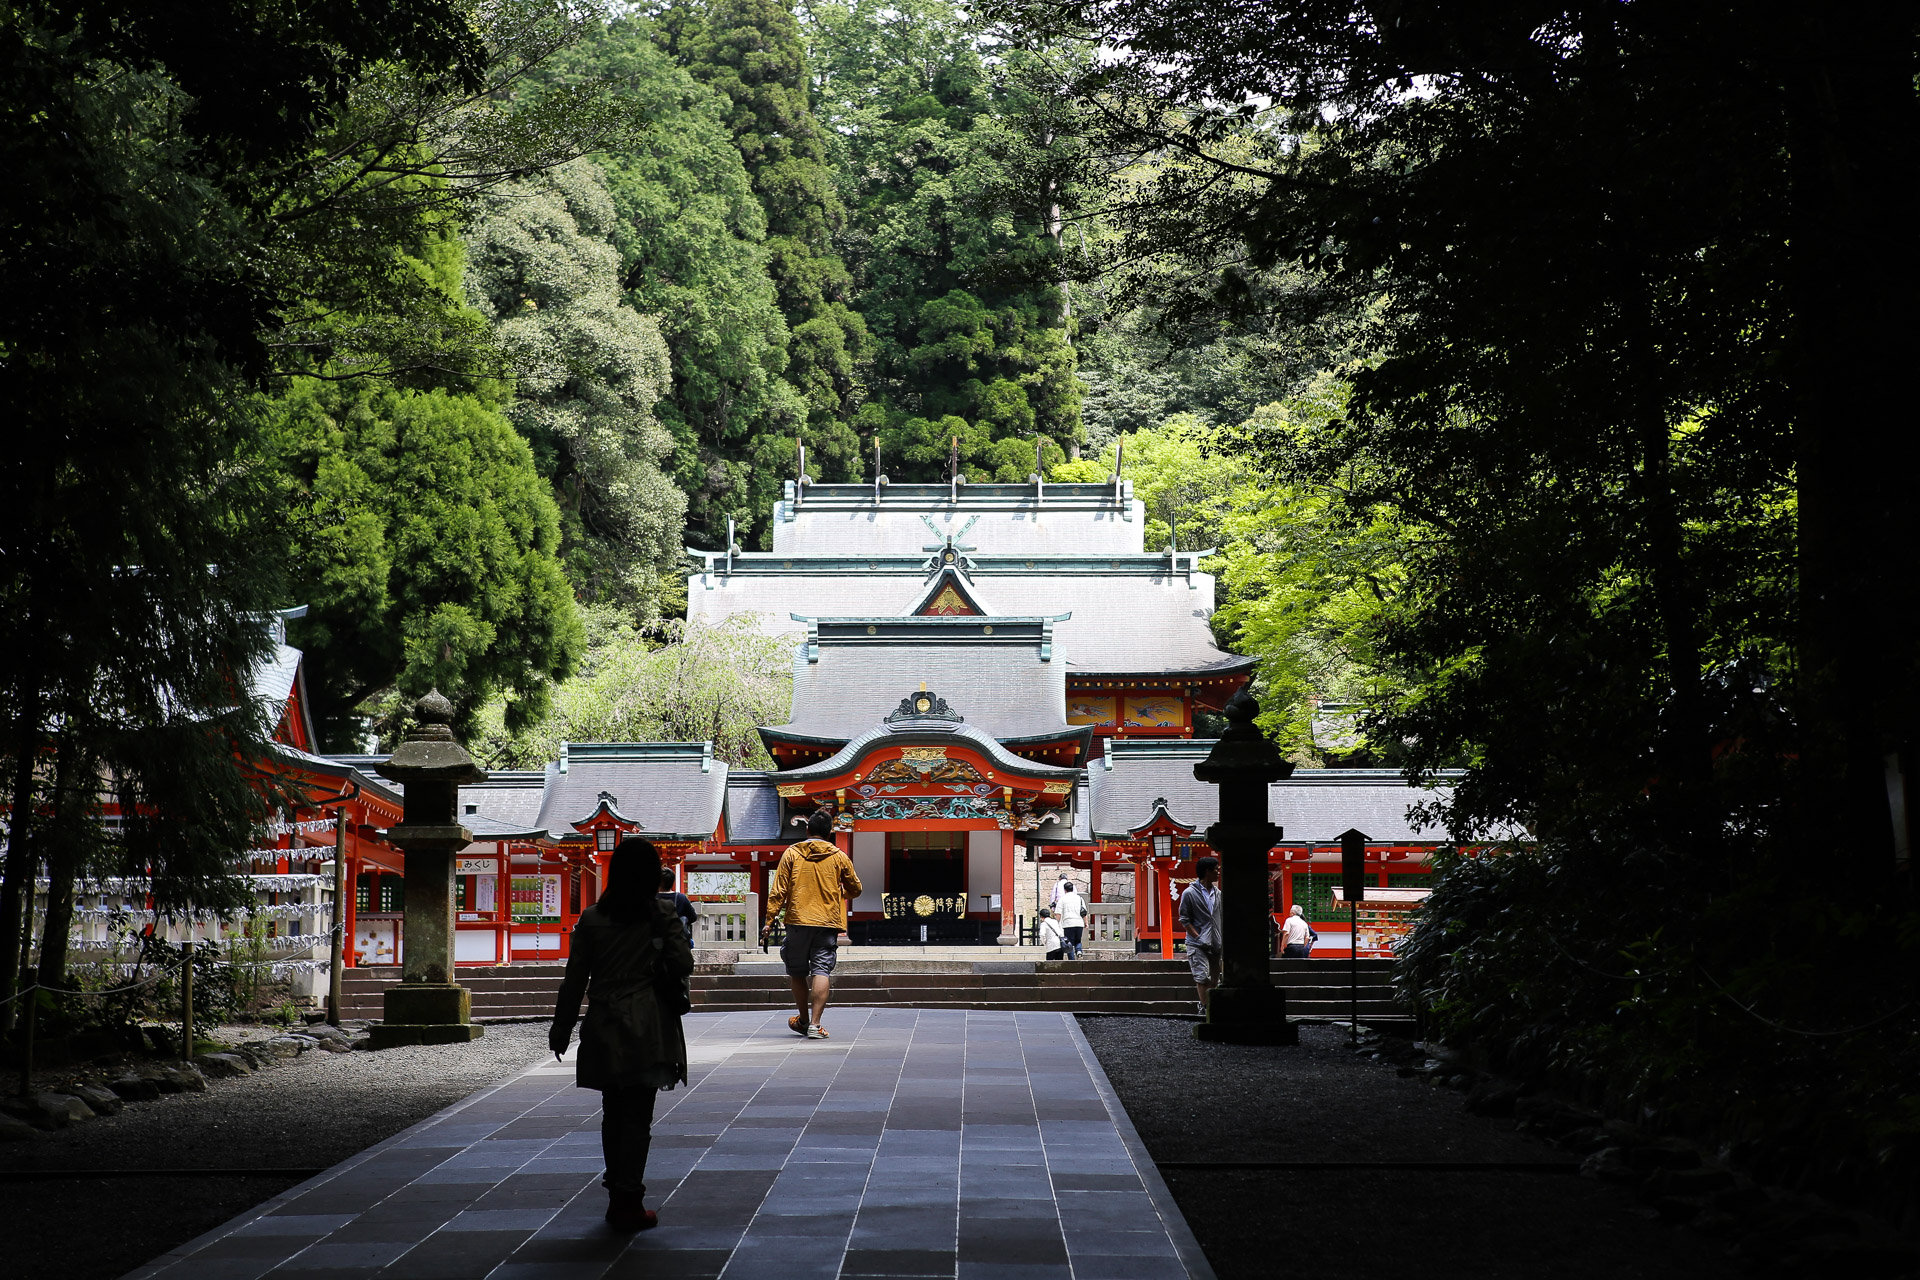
984 980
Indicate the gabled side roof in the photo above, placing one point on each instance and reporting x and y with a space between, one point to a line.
510 797
1313 806
670 788
1124 783
275 681
753 808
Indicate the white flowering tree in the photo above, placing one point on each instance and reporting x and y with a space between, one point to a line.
702 684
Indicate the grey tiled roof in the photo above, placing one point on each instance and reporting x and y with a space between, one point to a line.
1004 689
273 678
1316 805
753 808
344 769
1077 519
1138 619
510 797
485 828
1131 775
669 788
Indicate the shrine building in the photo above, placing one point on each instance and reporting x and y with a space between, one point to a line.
994 685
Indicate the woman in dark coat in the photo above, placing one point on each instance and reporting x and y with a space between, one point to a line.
630 1047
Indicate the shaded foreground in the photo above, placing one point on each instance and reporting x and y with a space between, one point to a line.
309 1113
1205 1103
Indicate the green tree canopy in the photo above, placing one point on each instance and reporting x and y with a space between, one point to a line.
429 549
587 371
690 232
147 161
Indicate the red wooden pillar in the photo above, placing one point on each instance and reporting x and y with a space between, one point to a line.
349 911
503 906
1163 905
1008 924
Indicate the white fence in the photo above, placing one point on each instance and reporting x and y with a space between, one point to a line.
728 924
1107 923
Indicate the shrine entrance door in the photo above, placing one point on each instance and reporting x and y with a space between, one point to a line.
929 863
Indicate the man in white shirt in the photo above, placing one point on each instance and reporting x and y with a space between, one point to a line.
1200 917
1060 886
1296 935
1073 917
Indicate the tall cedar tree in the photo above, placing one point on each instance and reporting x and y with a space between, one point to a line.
751 51
691 237
957 173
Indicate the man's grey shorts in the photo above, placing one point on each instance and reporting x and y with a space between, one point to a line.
809 951
1200 960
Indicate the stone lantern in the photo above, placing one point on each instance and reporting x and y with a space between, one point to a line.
427 1006
1245 1008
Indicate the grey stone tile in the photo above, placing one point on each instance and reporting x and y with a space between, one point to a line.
296 1224
1094 1266
911 1145
898 1262
359 1254
500 1220
822 1225
1125 1244
197 1268
1014 1271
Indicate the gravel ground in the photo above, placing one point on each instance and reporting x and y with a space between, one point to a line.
309 1113
1193 1101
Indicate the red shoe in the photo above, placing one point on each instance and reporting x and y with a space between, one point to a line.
626 1213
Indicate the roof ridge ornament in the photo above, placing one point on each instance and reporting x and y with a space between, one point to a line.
923 706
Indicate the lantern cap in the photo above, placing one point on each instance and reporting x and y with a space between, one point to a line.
430 752
1243 753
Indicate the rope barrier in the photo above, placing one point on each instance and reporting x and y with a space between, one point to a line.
32 987
1784 1029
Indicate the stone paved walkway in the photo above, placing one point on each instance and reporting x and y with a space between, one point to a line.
911 1144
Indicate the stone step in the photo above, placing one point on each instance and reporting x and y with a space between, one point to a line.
1147 984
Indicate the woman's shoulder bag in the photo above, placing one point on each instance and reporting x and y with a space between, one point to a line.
671 992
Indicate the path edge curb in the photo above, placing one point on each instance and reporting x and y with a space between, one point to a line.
1192 1257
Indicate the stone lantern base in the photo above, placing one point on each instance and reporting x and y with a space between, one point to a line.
1247 1015
425 1013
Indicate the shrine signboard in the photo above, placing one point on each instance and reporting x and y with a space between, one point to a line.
536 899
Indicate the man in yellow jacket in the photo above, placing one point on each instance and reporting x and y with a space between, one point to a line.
810 891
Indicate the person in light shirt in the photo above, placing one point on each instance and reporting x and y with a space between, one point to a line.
1051 936
1073 918
1296 935
1200 918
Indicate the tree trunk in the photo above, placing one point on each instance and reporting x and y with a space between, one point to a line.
1685 758
63 863
16 886
1854 163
